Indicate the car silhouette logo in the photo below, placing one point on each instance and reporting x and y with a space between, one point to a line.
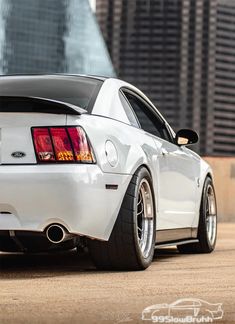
184 308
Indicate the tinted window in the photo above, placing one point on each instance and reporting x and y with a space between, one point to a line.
147 119
78 91
128 110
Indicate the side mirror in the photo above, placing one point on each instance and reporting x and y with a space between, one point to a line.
186 137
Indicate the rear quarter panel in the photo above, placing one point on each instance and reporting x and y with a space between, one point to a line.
133 146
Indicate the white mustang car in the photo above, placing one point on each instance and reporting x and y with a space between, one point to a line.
89 161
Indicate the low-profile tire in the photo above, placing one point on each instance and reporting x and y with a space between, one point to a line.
132 241
207 229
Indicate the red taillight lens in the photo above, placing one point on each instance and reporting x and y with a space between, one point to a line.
43 145
62 144
82 150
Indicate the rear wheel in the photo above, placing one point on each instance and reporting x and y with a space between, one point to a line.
207 229
131 244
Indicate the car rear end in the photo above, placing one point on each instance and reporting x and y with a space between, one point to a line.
52 189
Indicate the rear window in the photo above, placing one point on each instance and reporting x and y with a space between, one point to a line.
78 91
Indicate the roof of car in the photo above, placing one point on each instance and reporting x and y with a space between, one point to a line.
56 75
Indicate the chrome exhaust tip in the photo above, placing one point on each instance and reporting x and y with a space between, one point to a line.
56 234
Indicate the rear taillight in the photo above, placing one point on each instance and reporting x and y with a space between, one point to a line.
62 144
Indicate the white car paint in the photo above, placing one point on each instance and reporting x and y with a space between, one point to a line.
34 196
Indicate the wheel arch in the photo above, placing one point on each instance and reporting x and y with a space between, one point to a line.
209 175
206 172
144 165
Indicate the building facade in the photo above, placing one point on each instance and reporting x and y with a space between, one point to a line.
181 53
224 79
51 36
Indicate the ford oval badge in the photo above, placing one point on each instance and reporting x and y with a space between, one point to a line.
18 154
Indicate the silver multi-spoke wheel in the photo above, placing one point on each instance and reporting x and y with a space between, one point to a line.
145 218
211 215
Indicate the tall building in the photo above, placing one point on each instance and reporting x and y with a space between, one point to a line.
51 36
181 53
224 80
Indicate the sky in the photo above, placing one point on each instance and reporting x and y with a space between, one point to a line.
92 3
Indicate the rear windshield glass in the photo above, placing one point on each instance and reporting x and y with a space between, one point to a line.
78 91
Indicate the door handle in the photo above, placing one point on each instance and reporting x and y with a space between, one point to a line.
164 152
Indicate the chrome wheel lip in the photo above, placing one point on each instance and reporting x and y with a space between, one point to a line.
211 215
145 218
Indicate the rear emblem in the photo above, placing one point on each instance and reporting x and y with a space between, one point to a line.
18 154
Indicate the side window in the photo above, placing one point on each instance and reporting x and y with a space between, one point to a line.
128 110
147 119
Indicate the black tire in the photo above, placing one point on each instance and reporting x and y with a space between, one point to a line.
206 242
122 251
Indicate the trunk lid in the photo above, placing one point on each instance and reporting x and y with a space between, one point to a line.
18 115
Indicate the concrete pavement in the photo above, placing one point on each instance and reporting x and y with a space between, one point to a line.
65 289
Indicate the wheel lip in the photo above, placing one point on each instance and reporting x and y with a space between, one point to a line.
211 214
146 241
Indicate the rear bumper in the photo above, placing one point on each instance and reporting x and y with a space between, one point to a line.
75 196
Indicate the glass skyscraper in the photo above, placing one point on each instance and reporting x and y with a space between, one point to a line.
51 36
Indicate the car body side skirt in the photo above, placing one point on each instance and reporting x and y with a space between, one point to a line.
181 242
171 235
